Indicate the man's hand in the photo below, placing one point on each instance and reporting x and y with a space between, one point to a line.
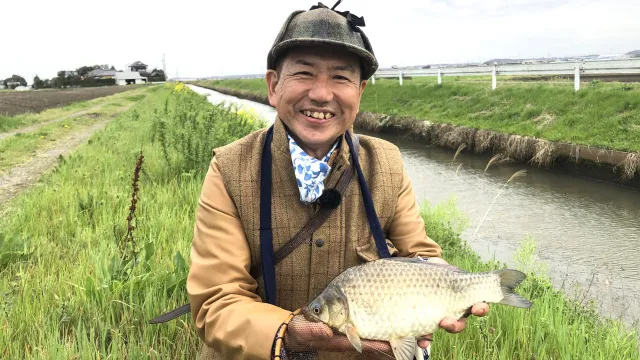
450 324
454 325
303 335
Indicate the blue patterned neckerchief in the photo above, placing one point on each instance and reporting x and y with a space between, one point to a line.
310 172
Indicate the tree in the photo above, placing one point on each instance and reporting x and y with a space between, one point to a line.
14 81
37 83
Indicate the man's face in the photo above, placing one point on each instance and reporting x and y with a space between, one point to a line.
317 95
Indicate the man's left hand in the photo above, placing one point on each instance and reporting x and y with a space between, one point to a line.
451 324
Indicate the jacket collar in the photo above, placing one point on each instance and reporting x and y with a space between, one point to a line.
341 156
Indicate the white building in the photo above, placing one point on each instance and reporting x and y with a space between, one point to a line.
129 78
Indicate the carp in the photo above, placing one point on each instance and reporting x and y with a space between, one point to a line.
401 299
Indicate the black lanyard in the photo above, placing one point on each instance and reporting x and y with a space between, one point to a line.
266 235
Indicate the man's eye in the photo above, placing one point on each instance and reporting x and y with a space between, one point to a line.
340 77
304 73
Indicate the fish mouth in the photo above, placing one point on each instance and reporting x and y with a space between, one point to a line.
308 315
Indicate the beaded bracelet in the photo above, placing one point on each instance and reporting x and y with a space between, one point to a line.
280 335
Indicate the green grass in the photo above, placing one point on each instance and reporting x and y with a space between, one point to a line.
68 293
599 114
8 123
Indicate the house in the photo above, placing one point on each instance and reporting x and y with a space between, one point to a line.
22 88
101 74
129 78
2 87
138 66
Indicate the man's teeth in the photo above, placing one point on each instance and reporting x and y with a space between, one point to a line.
318 115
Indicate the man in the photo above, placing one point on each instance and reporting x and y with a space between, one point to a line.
317 72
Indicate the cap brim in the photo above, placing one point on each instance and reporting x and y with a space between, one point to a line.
370 65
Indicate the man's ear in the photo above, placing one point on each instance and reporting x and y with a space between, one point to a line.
272 83
363 84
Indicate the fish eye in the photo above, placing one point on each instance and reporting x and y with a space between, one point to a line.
316 309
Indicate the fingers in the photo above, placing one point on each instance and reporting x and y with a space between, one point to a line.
310 331
425 340
453 325
457 325
480 309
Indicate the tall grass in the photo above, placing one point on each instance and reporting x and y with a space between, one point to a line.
599 114
70 289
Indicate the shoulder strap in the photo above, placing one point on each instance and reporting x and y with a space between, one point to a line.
311 226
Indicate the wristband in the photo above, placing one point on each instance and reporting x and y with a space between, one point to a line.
280 335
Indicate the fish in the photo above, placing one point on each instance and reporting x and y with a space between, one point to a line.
402 299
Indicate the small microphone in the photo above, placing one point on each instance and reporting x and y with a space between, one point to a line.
330 198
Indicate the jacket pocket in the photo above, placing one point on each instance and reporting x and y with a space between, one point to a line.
369 251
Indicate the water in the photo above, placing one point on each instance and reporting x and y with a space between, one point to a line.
587 232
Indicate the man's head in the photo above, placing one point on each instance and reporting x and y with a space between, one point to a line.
318 67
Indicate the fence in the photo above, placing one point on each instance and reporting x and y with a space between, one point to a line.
611 67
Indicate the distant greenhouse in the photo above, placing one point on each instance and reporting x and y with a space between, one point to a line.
129 78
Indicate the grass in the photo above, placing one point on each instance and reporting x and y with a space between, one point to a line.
20 147
8 123
68 290
599 114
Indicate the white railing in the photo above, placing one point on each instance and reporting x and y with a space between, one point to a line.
612 67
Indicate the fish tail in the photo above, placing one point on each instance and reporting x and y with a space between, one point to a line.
509 279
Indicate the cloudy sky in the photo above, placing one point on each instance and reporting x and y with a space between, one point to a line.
224 37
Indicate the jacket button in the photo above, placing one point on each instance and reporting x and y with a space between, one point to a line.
319 243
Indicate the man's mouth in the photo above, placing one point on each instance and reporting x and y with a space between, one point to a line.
320 115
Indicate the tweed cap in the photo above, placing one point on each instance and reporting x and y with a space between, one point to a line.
324 26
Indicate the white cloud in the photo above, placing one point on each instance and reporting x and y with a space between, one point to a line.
202 38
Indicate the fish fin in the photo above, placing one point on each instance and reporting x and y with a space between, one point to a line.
516 300
419 352
353 336
420 260
509 279
405 348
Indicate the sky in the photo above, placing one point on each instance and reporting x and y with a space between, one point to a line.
231 37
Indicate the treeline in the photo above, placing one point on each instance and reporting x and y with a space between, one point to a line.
84 76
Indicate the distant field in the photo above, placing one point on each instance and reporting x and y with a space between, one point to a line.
21 102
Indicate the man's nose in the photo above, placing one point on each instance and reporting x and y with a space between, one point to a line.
320 91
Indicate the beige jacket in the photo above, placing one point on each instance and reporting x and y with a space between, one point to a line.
226 302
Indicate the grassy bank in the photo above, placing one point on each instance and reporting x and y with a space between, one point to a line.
600 114
76 283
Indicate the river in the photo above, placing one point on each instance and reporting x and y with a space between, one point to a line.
587 232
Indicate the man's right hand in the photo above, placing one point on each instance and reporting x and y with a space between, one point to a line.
303 335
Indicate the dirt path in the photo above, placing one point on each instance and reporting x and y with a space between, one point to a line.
18 178
39 125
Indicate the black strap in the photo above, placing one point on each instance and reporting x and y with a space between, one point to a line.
266 235
374 223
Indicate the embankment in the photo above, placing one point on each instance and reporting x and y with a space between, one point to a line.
605 130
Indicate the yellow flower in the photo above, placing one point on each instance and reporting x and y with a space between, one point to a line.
179 87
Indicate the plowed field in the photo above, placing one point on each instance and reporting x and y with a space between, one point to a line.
20 102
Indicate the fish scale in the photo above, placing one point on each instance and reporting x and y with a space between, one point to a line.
400 299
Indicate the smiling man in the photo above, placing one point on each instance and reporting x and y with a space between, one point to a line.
279 215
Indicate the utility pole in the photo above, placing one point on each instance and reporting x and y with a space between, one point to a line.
164 67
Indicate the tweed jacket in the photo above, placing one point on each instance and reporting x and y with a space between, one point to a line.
226 301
